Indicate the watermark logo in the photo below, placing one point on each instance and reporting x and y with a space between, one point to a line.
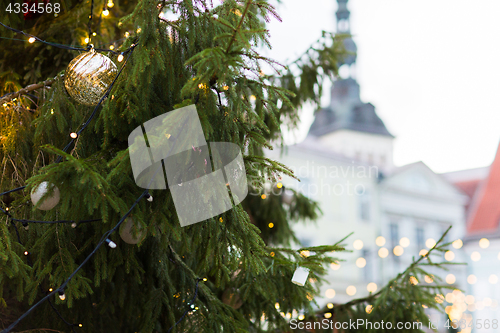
205 179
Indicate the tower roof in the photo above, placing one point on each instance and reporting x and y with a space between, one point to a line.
484 214
346 110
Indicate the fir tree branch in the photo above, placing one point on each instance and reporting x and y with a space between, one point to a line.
10 96
238 27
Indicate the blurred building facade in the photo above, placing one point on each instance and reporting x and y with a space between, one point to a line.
482 242
346 164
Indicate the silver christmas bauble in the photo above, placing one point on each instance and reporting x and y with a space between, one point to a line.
48 202
89 76
127 234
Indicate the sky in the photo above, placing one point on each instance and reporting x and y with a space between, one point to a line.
431 68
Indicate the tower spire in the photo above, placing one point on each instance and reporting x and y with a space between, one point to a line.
344 27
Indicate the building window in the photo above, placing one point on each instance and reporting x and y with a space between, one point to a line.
420 238
364 205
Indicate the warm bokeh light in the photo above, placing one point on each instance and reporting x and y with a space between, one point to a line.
398 250
105 12
305 253
487 301
413 280
329 305
493 279
271 225
383 252
120 58
469 299
471 279
450 279
328 315
439 298
428 279
371 287
423 252
330 293
475 256
263 196
404 242
449 255
351 290
380 241
335 266
457 244
361 262
369 309
484 243
430 243
31 40
301 317
279 185
358 244
450 298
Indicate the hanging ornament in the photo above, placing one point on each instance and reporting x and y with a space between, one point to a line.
232 298
89 76
287 196
127 233
300 276
48 202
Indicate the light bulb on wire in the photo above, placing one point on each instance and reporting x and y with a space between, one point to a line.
62 295
120 57
105 12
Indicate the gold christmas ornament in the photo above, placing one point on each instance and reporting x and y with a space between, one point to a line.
129 233
89 76
48 202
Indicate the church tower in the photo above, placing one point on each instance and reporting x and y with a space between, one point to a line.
349 126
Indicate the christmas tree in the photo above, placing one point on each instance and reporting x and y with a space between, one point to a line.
84 248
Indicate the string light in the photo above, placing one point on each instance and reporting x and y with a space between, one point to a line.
271 225
329 305
457 244
471 279
361 262
475 256
358 244
351 290
31 40
120 57
484 243
111 47
62 295
105 12
73 135
127 34
94 34
330 293
404 242
263 196
398 250
111 244
50 290
450 279
86 40
380 241
449 255
383 252
110 4
372 287
26 253
430 243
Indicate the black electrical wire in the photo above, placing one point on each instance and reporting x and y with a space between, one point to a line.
61 46
190 304
65 149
